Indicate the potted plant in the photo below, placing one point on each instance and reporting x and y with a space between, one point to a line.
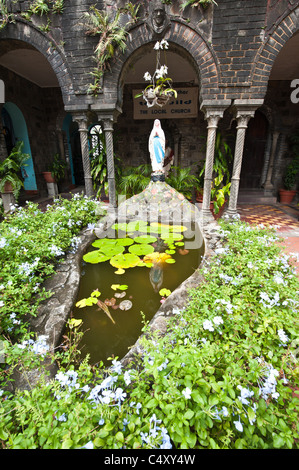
160 90
290 178
11 180
56 170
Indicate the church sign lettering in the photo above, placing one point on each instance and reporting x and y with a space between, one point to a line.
184 106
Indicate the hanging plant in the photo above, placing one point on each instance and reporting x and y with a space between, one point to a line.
160 89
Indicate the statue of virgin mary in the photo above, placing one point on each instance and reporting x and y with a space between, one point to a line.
156 146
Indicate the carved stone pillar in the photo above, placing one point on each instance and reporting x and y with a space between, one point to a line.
3 149
81 119
268 186
245 110
108 129
213 113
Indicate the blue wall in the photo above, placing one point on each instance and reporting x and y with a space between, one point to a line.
20 132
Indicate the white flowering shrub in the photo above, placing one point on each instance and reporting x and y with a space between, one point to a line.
224 376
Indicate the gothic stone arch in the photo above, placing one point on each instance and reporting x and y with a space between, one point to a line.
28 33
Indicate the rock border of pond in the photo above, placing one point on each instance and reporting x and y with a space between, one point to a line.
54 312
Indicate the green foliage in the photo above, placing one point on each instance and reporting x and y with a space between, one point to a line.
134 180
182 180
111 36
292 171
10 169
32 242
221 378
197 3
57 168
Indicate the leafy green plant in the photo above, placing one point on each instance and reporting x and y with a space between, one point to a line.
134 180
222 377
292 171
182 180
111 36
57 168
197 3
10 169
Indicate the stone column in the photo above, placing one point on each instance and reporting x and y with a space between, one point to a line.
108 129
3 150
244 110
268 186
213 113
81 119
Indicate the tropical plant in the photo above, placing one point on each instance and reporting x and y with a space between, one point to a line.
99 171
292 170
182 180
10 169
57 168
112 35
197 3
221 172
134 179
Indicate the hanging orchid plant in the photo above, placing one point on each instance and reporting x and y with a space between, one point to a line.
160 88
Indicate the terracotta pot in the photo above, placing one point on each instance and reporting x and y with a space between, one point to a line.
286 196
8 188
48 177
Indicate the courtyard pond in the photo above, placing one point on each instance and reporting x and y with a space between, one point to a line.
124 279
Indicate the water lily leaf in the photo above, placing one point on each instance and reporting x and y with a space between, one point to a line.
137 226
125 305
95 293
170 261
178 228
95 257
118 286
124 261
74 322
170 252
179 243
120 226
120 271
88 302
145 239
124 241
156 257
101 242
112 250
169 238
110 302
141 249
164 292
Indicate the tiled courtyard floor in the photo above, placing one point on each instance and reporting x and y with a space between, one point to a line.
284 218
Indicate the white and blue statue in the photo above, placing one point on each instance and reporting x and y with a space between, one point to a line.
156 146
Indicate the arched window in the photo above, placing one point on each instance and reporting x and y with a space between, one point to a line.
96 140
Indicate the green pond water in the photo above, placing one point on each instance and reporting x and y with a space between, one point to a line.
113 332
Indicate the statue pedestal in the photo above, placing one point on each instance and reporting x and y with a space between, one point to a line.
8 199
52 189
157 177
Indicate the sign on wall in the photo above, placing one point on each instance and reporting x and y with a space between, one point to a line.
184 106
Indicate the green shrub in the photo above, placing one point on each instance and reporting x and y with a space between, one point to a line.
222 377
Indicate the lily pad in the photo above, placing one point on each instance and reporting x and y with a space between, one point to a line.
137 226
170 252
170 237
112 250
141 249
170 261
120 271
124 261
125 305
145 239
119 286
101 242
119 295
178 228
164 292
156 257
124 241
95 257
179 243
